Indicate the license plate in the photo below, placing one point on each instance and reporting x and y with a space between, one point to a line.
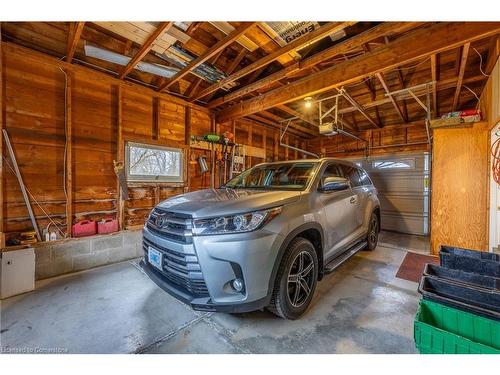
154 257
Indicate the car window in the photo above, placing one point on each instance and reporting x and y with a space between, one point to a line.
333 170
365 179
287 176
352 174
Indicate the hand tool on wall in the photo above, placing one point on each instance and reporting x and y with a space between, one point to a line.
21 183
120 173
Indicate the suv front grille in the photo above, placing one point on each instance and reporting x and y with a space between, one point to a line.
182 270
170 225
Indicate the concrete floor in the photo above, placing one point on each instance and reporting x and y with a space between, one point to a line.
361 308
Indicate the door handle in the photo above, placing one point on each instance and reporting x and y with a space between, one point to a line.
353 200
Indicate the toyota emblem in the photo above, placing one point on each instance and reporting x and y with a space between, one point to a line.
160 221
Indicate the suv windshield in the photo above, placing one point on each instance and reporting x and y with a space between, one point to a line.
283 176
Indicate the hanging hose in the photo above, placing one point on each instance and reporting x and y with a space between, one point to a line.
495 162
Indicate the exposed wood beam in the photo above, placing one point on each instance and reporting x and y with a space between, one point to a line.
338 49
434 75
441 85
297 114
295 126
360 108
493 53
209 53
194 86
252 87
231 68
354 122
407 49
310 38
234 64
146 47
75 32
463 63
381 78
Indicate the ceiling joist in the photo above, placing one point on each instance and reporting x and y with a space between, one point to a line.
404 50
310 62
463 63
308 39
146 47
75 32
212 51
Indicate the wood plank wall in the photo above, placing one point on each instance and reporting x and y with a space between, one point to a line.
460 182
390 139
104 113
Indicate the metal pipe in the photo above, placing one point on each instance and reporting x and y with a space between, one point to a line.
21 184
343 132
401 145
299 150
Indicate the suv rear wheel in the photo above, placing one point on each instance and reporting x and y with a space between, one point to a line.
373 230
296 280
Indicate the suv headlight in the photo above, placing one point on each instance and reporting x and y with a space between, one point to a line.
240 223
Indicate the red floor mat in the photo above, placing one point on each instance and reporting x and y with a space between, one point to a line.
413 264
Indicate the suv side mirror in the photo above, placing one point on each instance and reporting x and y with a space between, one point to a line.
334 184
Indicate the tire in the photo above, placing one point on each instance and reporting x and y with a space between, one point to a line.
373 231
287 302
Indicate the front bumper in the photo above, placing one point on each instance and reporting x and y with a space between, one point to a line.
200 304
249 256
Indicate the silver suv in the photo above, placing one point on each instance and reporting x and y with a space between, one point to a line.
265 238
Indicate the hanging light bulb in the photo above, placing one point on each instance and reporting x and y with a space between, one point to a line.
308 102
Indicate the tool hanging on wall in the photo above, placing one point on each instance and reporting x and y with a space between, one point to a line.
119 168
221 150
21 183
224 156
237 161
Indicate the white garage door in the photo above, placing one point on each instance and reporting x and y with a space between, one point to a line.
402 182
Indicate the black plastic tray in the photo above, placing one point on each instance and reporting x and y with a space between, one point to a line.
462 277
487 264
480 301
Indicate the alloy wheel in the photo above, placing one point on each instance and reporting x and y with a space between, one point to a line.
300 279
372 236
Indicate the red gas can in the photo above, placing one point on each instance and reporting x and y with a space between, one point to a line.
84 228
108 225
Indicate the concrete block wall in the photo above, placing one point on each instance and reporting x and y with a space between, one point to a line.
77 254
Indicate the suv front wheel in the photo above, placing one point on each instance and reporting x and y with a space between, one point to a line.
296 280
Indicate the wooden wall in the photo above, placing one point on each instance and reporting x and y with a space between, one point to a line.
104 113
390 139
460 180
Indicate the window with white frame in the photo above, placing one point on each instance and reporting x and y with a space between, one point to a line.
145 162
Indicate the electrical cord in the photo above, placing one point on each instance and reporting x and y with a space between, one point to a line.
495 162
480 63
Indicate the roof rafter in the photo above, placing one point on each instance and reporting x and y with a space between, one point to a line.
212 51
310 62
406 49
434 75
381 78
146 47
312 37
463 63
75 32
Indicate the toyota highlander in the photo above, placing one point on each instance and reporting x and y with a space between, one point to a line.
265 238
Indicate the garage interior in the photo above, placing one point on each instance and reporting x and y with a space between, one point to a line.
79 100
